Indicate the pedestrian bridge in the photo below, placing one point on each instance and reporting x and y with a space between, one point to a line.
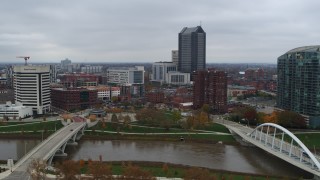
53 146
279 142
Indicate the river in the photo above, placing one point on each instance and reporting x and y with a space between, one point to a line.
215 156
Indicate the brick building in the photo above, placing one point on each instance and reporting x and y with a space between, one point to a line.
79 79
210 87
155 97
73 98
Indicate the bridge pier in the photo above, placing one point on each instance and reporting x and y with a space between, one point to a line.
315 177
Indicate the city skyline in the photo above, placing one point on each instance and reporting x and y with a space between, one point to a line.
144 31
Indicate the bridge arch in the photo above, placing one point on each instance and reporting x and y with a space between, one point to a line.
267 138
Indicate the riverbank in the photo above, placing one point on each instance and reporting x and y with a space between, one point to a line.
169 170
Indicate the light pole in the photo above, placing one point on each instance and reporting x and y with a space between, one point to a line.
25 148
42 135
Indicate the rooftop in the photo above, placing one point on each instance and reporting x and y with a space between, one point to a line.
315 48
189 30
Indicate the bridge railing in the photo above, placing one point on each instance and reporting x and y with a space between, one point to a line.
37 147
296 149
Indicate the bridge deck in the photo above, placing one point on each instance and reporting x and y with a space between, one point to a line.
265 144
50 145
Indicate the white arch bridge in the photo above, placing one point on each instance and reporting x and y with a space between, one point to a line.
279 142
53 146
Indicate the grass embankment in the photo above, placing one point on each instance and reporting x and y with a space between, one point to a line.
311 140
32 129
159 169
113 131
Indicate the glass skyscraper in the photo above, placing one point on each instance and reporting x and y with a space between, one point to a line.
192 49
299 81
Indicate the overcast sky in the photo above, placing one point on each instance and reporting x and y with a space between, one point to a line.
147 30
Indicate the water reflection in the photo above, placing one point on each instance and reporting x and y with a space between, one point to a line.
216 156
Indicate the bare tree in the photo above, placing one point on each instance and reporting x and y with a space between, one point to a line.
69 169
100 170
36 169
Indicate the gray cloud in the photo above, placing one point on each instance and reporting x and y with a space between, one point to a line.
147 31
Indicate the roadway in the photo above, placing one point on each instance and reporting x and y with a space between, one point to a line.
41 152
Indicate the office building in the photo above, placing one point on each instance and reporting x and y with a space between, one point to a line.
71 99
78 80
91 69
175 57
210 87
12 111
299 82
192 49
126 75
160 70
32 87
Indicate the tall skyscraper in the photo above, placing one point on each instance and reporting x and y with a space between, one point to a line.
299 81
210 87
192 49
32 87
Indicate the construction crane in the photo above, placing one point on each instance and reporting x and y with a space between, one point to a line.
25 59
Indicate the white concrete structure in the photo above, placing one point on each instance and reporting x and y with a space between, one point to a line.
12 111
270 138
32 87
91 69
178 78
166 73
106 92
160 70
126 75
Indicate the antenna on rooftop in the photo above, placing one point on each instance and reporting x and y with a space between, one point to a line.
200 23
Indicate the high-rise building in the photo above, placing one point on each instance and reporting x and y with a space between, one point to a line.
210 87
32 87
160 70
299 81
192 49
175 56
126 75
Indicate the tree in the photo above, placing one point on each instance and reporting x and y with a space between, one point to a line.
68 169
176 116
198 174
36 169
271 118
100 170
291 119
126 120
205 108
114 120
134 172
92 117
250 114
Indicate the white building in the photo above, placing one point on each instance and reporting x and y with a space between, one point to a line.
32 87
106 93
91 69
12 111
166 72
160 70
126 75
178 78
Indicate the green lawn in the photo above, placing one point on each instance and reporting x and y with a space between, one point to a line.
311 140
215 127
133 129
35 127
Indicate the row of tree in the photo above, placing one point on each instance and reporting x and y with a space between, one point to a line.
98 170
250 116
158 117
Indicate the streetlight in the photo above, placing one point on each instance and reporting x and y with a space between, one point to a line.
25 148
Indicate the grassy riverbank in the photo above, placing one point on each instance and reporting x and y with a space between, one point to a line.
160 169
